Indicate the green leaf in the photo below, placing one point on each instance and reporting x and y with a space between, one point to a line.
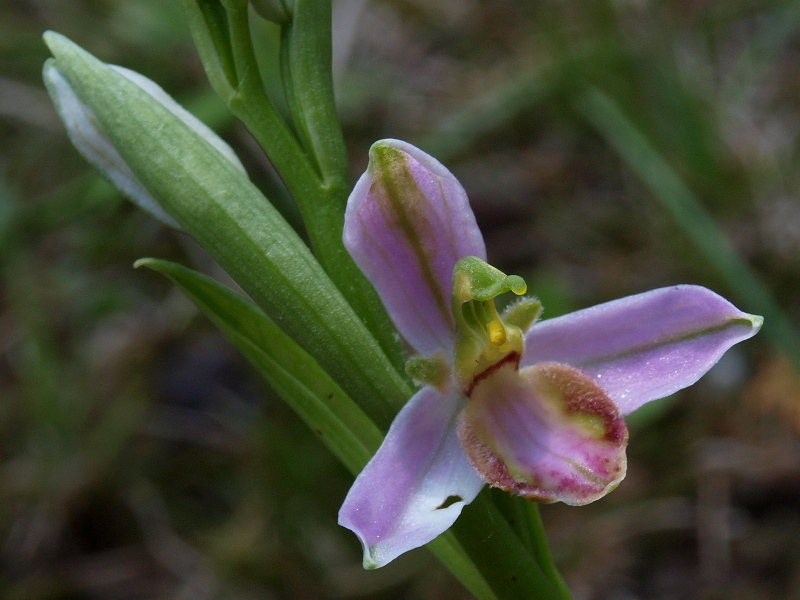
486 535
294 375
291 371
238 227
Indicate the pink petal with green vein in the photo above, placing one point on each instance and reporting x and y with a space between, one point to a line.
415 486
643 347
407 223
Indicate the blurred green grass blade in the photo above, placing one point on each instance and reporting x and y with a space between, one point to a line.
489 112
341 425
690 216
120 420
39 366
777 29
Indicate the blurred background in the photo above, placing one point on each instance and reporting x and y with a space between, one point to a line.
608 147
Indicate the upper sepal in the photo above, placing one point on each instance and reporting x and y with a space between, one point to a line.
646 346
407 223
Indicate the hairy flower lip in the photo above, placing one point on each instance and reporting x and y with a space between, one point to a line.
512 358
564 460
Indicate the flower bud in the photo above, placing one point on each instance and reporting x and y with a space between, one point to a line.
88 136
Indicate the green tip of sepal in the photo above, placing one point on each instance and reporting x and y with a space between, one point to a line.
388 164
144 262
428 370
523 313
382 151
756 321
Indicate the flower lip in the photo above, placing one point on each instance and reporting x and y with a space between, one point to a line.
547 433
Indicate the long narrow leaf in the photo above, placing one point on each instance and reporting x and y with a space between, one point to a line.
295 376
232 220
485 534
290 370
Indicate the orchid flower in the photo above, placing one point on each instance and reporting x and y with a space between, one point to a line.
534 408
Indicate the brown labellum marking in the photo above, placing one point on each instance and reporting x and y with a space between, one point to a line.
547 433
511 359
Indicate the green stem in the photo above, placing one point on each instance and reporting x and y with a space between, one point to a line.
516 513
208 24
541 550
307 62
250 104
504 561
321 202
524 519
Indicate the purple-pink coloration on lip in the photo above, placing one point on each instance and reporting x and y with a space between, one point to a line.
543 418
546 433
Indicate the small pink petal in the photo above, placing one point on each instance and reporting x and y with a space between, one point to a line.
407 223
643 347
546 433
415 486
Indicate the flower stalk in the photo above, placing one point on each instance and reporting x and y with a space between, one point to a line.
313 167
